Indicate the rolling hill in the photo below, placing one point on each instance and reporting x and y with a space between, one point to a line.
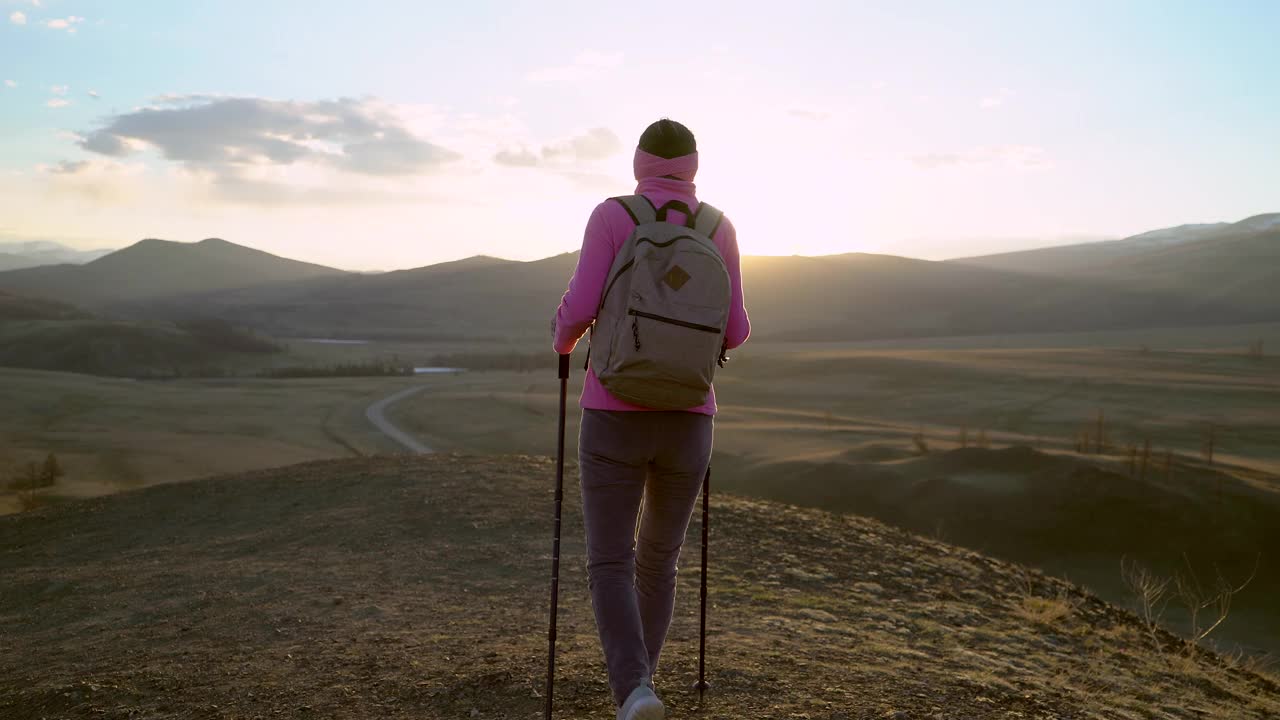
20 308
42 334
128 348
152 269
846 297
863 297
1238 264
417 588
473 298
1192 275
12 261
1230 265
1060 259
1092 257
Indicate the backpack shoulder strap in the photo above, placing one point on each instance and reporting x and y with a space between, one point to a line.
638 207
707 220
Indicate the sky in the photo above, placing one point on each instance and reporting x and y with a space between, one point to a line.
395 134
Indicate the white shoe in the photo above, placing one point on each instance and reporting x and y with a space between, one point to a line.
642 704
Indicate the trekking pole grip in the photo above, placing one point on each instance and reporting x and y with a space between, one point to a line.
564 367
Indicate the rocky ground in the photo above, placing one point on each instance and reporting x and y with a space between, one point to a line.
417 588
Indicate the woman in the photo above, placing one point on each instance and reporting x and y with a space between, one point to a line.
627 452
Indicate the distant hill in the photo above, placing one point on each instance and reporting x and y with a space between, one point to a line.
1202 274
11 261
860 297
33 253
416 588
17 307
42 334
1237 265
842 297
153 269
473 298
1095 256
96 346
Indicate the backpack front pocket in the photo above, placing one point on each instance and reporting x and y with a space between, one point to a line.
669 349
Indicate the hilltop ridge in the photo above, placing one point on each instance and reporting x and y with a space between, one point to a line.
415 587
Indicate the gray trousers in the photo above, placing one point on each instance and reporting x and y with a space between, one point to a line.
631 554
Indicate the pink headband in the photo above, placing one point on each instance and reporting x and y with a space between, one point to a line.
649 165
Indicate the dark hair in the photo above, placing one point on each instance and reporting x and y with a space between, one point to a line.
667 138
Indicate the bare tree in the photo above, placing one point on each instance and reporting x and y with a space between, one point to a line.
1207 606
1215 599
1210 440
1151 593
51 471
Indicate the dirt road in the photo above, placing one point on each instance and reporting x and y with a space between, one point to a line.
376 415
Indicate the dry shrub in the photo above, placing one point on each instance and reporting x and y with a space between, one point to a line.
1038 608
1044 611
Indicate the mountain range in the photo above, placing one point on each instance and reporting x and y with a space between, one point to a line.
33 253
1193 274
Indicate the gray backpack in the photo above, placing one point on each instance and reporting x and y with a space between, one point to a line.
659 330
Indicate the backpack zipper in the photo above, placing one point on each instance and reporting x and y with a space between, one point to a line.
673 321
625 267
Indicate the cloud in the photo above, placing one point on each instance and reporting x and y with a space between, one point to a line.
516 158
68 23
102 182
809 114
67 167
10 83
18 17
586 65
595 144
106 144
1026 157
57 102
996 100
261 193
228 137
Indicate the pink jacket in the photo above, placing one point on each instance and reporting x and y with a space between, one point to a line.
606 231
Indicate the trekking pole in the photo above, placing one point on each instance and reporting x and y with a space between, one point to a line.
702 684
555 547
